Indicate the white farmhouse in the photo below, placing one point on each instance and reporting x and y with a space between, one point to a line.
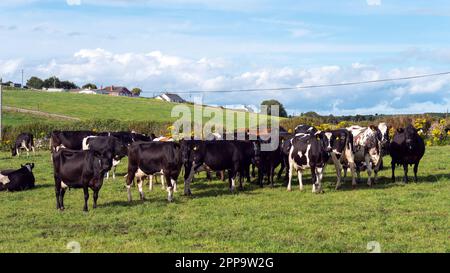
169 97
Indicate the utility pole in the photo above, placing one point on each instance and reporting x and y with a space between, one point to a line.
22 79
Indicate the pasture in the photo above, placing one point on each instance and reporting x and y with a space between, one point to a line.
87 107
402 217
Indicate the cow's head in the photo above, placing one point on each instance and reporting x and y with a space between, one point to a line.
384 137
197 153
325 139
28 166
411 136
102 161
256 152
339 140
186 154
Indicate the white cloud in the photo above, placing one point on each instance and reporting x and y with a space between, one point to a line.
9 67
373 2
156 71
73 2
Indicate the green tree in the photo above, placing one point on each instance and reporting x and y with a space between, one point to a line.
89 86
52 82
136 91
68 85
282 112
35 82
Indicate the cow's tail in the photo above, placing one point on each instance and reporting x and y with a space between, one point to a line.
50 143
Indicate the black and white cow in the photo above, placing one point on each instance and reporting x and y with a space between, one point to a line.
230 155
102 144
384 138
300 130
17 180
407 147
79 169
308 151
23 141
68 139
340 145
267 162
148 158
367 150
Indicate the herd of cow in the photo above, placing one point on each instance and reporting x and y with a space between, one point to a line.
82 159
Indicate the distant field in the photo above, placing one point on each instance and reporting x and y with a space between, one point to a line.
401 217
85 106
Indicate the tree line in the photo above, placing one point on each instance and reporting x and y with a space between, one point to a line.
54 82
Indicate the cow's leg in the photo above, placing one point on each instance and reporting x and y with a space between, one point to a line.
150 182
350 158
231 179
319 174
96 191
416 166
369 169
280 172
114 172
188 176
86 198
291 169
61 198
338 167
300 179
272 174
405 170
174 185
170 183
140 188
107 175
34 151
130 178
353 170
393 170
57 192
260 177
163 182
313 178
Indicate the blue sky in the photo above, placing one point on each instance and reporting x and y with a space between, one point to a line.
180 45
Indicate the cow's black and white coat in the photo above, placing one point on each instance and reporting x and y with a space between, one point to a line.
24 141
149 158
18 180
308 151
79 169
102 143
342 153
367 145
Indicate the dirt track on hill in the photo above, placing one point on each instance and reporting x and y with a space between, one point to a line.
38 113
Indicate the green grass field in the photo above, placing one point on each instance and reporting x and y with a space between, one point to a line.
15 118
401 217
88 107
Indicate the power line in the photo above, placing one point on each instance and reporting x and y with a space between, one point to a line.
311 86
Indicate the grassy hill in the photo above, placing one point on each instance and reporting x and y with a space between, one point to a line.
86 107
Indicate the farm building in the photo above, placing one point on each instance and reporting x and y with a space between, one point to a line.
169 97
116 91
